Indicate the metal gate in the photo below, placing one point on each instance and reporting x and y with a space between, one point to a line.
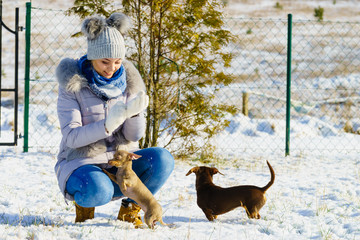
14 90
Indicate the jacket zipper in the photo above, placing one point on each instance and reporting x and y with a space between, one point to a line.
106 105
106 108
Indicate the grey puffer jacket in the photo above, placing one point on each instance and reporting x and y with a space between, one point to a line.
82 120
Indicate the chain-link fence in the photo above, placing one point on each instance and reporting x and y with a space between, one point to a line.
51 41
325 83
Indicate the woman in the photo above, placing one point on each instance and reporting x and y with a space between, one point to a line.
101 106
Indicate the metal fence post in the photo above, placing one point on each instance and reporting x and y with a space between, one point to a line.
16 107
27 76
288 87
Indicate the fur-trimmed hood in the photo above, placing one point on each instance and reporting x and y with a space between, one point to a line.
70 78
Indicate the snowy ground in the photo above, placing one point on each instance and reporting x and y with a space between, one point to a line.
313 198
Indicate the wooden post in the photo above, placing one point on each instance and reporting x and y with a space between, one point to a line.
245 109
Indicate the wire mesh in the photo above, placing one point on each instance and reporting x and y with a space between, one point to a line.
325 82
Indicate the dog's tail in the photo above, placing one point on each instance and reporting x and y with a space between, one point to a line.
272 178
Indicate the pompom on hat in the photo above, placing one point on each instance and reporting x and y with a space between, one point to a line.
104 36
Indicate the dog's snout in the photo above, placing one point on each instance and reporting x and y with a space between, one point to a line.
112 162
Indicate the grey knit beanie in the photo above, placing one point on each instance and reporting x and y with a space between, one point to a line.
104 36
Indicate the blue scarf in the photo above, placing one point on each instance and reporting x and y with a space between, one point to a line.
105 88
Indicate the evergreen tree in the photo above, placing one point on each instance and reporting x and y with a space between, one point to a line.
178 47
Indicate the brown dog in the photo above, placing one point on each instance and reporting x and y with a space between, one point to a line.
132 187
215 200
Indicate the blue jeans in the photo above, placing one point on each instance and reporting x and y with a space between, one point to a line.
91 187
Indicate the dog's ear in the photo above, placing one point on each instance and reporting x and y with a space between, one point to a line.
215 171
193 170
133 156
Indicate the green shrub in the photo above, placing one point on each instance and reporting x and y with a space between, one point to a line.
319 13
278 6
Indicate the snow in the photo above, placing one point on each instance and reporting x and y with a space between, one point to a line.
315 196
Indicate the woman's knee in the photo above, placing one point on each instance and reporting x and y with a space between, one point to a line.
161 159
90 186
154 168
166 160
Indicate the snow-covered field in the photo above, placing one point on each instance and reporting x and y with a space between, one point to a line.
315 196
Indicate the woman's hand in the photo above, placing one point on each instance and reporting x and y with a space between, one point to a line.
121 111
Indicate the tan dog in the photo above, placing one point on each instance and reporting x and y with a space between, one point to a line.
132 187
215 200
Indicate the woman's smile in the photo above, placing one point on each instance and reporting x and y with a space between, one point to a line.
106 67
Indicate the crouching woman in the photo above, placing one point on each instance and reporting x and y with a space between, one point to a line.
101 105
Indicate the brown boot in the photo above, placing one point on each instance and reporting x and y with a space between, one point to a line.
83 214
129 212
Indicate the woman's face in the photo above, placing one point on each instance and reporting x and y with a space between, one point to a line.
106 67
